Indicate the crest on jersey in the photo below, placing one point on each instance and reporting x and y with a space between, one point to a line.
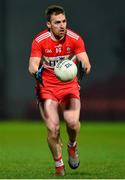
68 49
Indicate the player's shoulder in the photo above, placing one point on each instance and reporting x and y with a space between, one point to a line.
72 34
42 35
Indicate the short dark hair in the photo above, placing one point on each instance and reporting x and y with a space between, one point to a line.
54 9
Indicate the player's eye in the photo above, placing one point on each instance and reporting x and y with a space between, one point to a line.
57 22
64 21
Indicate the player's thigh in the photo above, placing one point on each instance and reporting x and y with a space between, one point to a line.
49 111
71 110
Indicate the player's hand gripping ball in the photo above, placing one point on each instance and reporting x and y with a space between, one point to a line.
65 70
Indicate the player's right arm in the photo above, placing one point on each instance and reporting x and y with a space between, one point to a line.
35 57
35 67
34 63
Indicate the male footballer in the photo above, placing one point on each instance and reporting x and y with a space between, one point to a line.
54 44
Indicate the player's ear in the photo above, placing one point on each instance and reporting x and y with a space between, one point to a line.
48 24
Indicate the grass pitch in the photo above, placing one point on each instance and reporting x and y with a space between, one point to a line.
24 152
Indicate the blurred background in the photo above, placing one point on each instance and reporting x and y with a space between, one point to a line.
102 26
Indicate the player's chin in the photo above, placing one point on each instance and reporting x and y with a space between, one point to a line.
62 34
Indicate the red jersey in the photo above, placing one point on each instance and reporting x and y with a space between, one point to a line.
52 52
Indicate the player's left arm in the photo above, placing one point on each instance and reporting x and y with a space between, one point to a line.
83 57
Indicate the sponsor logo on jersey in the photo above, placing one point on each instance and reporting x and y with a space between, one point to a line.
50 62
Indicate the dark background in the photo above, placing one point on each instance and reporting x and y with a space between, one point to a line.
101 23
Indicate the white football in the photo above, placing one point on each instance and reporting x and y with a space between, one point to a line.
65 70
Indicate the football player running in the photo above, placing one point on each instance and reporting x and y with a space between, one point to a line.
55 44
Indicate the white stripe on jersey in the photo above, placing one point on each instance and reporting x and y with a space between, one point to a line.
43 36
72 34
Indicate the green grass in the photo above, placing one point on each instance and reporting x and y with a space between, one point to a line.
24 152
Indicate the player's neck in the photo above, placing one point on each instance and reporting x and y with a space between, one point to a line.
56 38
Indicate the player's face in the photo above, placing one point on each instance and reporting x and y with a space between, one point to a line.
58 25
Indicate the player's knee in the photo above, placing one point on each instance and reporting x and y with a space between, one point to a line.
74 125
53 132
